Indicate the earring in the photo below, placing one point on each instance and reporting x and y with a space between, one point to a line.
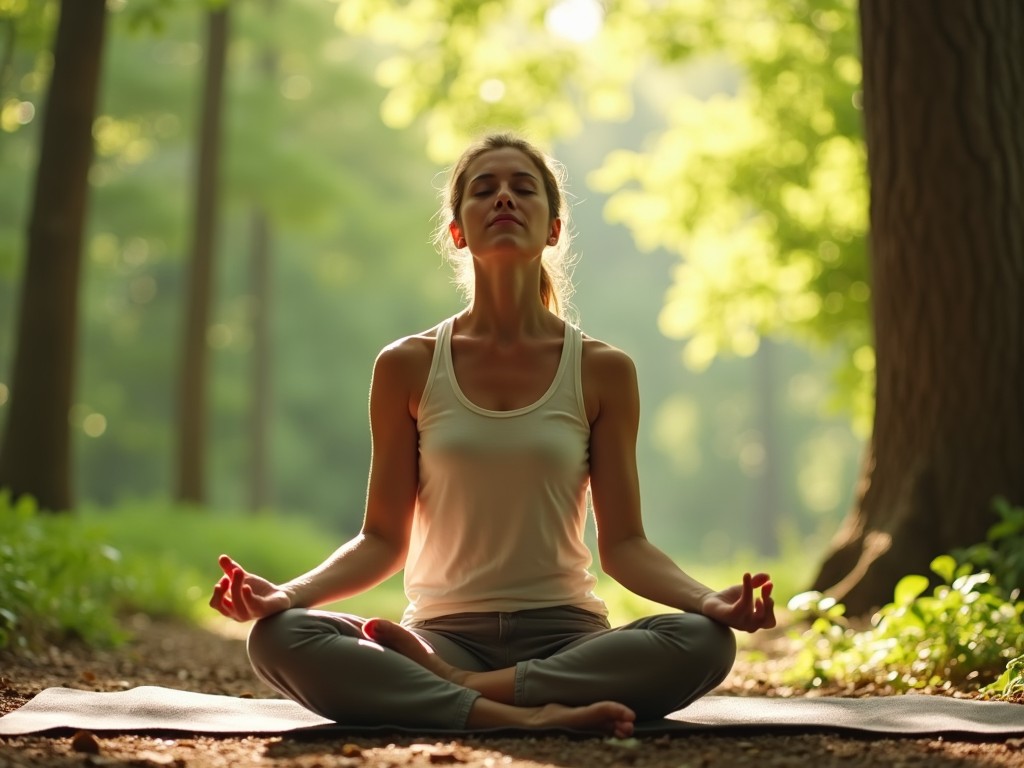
552 240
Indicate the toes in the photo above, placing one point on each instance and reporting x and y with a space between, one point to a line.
371 629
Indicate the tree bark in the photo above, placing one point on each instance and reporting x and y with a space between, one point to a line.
192 416
944 118
35 456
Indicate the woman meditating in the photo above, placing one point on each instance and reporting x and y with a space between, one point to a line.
488 430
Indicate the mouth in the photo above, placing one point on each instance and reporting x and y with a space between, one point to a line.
505 218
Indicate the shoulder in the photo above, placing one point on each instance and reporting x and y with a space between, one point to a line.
404 364
408 351
603 360
609 376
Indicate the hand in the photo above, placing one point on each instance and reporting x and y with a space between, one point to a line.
245 596
737 607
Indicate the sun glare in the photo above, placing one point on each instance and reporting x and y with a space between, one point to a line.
575 20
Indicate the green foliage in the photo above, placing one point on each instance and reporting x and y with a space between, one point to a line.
1002 552
956 635
60 578
763 193
971 626
1010 684
755 179
767 241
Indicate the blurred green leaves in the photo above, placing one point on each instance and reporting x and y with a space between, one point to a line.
760 190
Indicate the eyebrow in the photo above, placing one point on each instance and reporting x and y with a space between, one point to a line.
487 176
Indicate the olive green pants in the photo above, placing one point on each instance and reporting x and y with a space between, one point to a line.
563 655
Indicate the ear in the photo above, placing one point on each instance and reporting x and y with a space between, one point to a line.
556 231
457 237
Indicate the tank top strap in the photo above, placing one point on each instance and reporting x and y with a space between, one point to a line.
575 338
442 345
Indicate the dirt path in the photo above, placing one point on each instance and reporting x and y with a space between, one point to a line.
177 656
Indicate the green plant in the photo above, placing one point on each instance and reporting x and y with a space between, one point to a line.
57 578
962 632
1002 552
1010 684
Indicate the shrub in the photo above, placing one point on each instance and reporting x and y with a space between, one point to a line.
967 629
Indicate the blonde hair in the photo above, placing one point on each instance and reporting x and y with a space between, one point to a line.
556 261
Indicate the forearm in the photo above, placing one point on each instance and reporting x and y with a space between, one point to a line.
358 565
645 570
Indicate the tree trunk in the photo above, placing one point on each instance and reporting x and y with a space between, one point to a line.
259 415
943 96
195 355
261 227
35 457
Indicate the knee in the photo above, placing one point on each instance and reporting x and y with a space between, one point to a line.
711 644
717 644
271 636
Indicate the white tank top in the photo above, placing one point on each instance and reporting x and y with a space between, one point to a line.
501 508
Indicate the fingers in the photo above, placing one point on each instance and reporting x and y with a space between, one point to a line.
232 597
759 580
746 602
227 564
750 611
768 619
238 601
217 600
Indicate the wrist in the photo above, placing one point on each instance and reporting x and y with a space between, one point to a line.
703 599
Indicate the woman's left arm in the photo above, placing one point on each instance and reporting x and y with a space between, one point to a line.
613 405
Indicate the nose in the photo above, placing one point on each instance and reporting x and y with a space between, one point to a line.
504 198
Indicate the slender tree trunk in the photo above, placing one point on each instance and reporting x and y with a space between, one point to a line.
259 416
261 227
944 115
35 456
192 415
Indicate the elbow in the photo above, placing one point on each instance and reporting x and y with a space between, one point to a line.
616 558
389 551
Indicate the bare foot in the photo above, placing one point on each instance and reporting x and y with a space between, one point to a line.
489 710
398 638
606 716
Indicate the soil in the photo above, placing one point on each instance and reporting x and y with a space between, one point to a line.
181 656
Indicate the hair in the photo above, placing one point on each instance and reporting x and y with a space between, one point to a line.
556 261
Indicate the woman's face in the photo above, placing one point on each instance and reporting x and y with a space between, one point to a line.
504 206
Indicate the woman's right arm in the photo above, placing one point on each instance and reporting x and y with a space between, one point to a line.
379 550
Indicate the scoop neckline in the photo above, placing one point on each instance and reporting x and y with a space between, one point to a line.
563 361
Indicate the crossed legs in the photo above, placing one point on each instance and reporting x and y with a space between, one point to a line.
373 672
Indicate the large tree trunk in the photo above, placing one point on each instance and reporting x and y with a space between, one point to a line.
35 457
943 96
192 415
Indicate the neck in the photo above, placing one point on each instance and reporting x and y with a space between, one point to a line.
508 305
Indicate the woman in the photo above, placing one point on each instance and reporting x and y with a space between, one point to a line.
487 431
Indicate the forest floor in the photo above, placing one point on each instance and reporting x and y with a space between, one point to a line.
180 656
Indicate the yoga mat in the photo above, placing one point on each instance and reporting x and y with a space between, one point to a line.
153 708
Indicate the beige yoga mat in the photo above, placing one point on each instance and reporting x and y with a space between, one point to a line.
152 708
